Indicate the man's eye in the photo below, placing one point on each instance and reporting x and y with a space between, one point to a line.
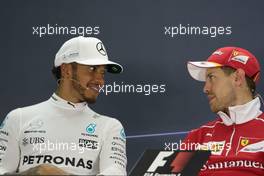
210 76
97 70
92 68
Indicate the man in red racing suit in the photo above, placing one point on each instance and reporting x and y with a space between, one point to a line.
235 138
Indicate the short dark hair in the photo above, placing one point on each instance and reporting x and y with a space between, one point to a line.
56 71
250 82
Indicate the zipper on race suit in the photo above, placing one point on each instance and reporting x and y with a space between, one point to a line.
231 139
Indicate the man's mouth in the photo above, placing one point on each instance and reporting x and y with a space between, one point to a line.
94 87
211 98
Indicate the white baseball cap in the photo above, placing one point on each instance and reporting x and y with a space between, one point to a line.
86 51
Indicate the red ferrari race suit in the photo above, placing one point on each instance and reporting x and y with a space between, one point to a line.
236 142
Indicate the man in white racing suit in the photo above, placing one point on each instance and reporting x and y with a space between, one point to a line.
63 135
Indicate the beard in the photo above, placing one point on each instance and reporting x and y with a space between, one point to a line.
80 89
223 103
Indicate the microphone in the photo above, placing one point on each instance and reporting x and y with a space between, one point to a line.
78 82
86 88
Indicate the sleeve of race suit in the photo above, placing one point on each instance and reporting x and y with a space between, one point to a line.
189 143
113 158
9 143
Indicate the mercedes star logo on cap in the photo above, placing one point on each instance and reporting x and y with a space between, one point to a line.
100 48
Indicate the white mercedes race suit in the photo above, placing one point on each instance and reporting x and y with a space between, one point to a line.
67 135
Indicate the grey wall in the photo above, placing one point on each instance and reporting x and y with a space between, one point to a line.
134 34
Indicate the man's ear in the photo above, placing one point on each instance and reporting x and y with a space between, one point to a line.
66 71
240 77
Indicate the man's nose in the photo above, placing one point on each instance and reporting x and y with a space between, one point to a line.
99 77
206 87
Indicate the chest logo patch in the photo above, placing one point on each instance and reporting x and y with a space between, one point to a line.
244 142
90 129
250 145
